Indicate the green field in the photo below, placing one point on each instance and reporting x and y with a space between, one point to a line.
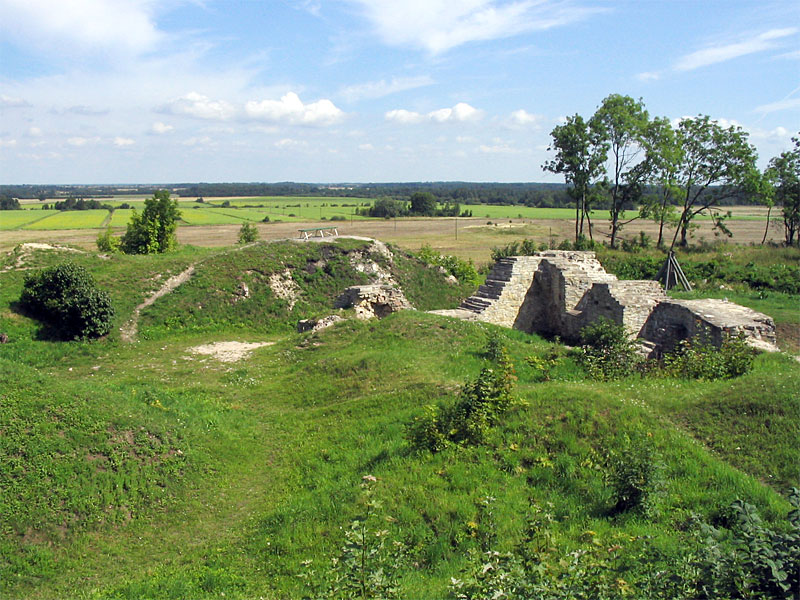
74 219
14 219
147 469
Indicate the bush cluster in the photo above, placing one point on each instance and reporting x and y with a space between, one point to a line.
694 359
66 297
462 270
607 352
478 408
248 233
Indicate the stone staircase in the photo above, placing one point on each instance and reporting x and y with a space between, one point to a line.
498 300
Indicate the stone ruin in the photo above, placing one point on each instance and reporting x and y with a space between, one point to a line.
373 300
557 293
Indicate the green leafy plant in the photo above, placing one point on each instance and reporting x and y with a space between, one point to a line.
632 473
368 562
106 242
66 297
153 231
248 233
607 351
694 359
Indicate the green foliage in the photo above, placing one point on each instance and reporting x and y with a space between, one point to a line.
478 409
784 176
107 242
463 270
632 471
752 560
9 203
607 351
368 562
248 233
526 247
388 208
693 359
153 231
423 204
67 298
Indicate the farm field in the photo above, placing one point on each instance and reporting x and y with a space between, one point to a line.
148 469
15 219
74 219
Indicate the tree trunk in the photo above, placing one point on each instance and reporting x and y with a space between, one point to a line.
766 227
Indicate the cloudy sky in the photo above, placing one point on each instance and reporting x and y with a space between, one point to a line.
147 91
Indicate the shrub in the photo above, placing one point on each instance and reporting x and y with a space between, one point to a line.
66 297
106 242
607 351
469 420
693 359
462 270
248 233
631 473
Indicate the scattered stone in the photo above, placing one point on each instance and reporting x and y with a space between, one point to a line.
3 338
315 325
242 292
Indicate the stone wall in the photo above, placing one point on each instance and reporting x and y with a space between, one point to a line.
373 300
557 293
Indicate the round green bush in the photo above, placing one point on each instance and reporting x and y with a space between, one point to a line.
67 298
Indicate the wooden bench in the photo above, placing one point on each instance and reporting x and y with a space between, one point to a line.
319 231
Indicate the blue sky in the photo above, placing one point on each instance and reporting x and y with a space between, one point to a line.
148 91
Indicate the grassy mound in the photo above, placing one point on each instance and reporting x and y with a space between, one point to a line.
146 470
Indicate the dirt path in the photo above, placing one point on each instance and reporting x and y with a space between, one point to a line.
128 331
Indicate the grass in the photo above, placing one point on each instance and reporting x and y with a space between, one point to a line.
144 470
13 219
73 219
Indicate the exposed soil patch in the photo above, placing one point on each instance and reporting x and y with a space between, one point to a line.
229 351
128 331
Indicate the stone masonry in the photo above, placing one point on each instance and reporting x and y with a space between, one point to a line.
557 293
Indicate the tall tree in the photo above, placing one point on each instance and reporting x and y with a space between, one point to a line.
660 167
784 173
621 122
580 156
715 163
154 230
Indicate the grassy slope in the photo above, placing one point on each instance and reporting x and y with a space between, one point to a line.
144 471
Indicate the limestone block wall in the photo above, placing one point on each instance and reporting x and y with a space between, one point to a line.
708 320
499 299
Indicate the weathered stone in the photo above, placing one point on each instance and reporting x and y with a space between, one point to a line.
373 300
3 338
560 292
317 324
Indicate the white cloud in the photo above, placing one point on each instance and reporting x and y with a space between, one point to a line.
289 143
366 147
461 112
648 76
786 104
161 128
523 117
10 143
379 89
401 115
290 109
34 132
197 141
82 141
497 149
11 102
724 52
201 107
439 25
116 26
121 142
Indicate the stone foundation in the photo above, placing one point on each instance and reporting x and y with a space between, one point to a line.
557 293
373 300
